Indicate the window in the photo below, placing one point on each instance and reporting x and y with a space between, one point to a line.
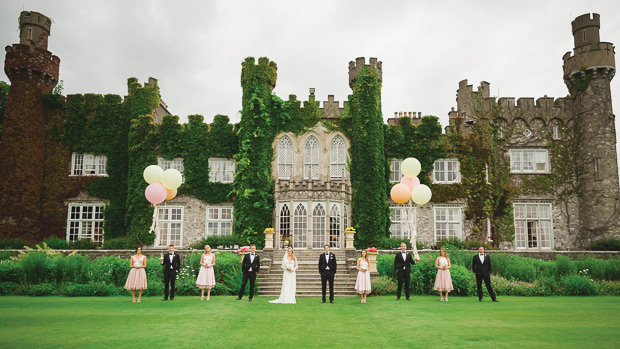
219 221
399 218
447 222
500 131
88 165
529 161
395 175
446 171
337 158
85 221
29 35
221 170
346 217
285 158
597 168
285 224
318 226
334 227
300 227
176 163
170 226
556 132
311 159
584 35
533 225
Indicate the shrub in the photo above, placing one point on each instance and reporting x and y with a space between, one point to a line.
565 266
385 265
504 287
388 243
228 275
13 243
7 288
99 289
613 272
451 244
517 268
462 280
72 268
57 243
9 271
155 288
595 268
109 270
42 289
423 275
120 243
4 255
226 241
37 267
83 244
606 245
575 285
382 286
609 288
463 258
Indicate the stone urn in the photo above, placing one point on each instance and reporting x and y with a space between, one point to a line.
372 258
349 238
269 238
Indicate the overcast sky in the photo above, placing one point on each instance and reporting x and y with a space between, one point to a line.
195 48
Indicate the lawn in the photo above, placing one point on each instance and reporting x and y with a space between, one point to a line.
382 322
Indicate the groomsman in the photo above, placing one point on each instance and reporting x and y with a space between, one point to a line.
249 266
402 265
172 264
481 266
327 269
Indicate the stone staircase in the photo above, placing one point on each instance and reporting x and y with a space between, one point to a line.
308 278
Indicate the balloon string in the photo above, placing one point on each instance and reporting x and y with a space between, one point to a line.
155 225
413 231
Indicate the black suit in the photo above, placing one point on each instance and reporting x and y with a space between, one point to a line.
403 272
483 272
327 270
171 269
248 274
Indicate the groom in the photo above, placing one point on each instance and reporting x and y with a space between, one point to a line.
402 265
481 266
249 266
327 268
172 264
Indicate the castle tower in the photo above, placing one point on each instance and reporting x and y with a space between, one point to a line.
355 68
587 74
32 71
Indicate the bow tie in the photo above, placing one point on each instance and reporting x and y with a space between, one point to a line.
327 254
251 254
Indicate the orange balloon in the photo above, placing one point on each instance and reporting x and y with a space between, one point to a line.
400 193
171 193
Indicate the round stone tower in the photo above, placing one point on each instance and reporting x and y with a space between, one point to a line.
355 68
34 29
587 74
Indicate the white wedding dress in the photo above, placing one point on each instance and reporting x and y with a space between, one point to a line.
289 283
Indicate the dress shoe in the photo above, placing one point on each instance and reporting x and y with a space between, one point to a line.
408 299
165 299
249 300
238 299
495 300
480 299
171 299
397 298
332 302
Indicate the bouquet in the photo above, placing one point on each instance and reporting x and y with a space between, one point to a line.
243 249
444 264
372 249
290 265
364 267
137 264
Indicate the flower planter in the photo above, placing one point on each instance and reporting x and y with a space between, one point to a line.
372 258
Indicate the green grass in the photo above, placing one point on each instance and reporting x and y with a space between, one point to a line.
540 322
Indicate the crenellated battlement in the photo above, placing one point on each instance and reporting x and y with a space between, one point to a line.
36 62
414 117
331 108
355 68
34 29
264 69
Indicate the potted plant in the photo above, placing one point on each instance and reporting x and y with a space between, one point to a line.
372 258
243 250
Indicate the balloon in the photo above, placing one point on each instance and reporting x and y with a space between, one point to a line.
155 193
421 194
152 174
410 167
410 182
171 193
171 178
400 193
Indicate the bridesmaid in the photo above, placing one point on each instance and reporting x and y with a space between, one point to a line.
362 284
443 280
206 276
136 280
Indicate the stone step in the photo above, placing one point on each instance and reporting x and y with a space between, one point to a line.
306 284
310 294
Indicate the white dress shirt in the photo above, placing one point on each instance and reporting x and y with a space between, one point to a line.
251 261
171 255
327 260
404 254
481 258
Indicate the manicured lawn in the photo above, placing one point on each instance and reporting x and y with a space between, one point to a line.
534 322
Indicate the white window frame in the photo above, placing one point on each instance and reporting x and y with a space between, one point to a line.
335 227
523 240
338 158
176 163
395 174
458 222
163 224
95 165
518 165
556 132
218 221
219 175
440 167
398 220
312 158
29 33
285 158
80 222
285 223
300 226
319 225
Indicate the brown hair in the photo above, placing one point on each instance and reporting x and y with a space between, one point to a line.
366 256
444 250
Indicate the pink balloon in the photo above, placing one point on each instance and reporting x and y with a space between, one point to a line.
156 193
410 182
400 193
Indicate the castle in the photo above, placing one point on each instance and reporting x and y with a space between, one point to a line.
72 166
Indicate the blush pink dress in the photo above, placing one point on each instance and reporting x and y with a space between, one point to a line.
206 276
362 284
443 281
136 280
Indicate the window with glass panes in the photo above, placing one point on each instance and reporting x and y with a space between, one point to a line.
311 159
219 221
170 222
529 161
300 227
88 165
318 226
176 163
448 222
337 158
395 175
334 227
221 170
446 171
533 225
399 217
285 224
85 221
285 158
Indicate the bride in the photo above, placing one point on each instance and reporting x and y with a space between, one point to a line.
289 287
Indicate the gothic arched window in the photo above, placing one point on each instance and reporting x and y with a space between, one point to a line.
334 226
311 159
300 227
318 226
337 158
285 158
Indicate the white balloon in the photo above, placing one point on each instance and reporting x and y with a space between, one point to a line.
411 167
152 174
421 194
171 178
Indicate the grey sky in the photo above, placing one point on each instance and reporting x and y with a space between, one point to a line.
195 48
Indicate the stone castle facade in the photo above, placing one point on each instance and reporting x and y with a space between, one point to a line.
313 190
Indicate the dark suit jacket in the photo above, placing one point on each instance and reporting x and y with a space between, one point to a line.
399 263
323 263
246 264
176 263
480 268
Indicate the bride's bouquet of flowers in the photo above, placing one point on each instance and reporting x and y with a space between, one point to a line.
364 267
443 263
137 264
290 265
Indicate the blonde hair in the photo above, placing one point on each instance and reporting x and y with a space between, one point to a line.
292 252
444 250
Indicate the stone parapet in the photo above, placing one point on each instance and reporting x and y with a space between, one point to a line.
34 62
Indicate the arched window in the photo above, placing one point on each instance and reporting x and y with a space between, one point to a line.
346 217
311 159
285 158
337 158
318 226
334 226
285 223
300 227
